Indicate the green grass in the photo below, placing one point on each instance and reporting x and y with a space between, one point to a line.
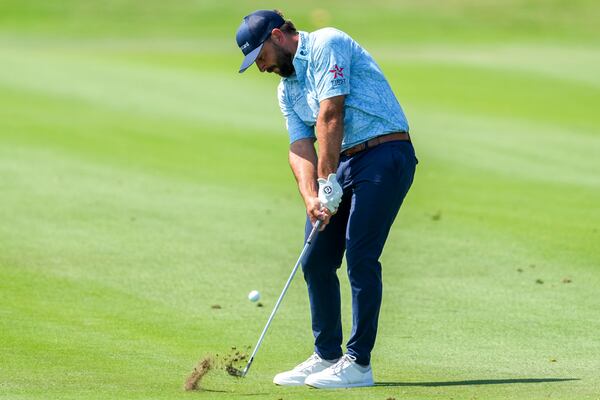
142 180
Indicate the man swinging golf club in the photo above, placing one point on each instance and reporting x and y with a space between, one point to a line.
333 92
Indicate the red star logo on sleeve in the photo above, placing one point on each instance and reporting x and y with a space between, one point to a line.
337 72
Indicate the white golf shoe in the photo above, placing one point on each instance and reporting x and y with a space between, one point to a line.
296 376
346 373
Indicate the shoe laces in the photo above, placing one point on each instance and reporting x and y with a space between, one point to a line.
309 362
346 360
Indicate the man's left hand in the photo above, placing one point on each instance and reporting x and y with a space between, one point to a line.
330 193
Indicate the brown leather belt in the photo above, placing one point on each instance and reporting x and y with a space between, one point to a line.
376 141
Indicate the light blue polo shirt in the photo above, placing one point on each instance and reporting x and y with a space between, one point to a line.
330 63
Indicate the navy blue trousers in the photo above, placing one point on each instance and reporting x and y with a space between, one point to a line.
375 182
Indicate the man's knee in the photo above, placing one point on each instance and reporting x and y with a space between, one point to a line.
315 266
363 266
322 259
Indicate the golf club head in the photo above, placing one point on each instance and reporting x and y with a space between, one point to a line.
247 368
235 372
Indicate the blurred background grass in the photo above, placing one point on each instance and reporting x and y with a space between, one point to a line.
412 21
142 180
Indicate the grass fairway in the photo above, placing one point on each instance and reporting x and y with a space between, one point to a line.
143 181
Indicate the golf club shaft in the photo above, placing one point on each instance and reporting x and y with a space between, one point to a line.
311 236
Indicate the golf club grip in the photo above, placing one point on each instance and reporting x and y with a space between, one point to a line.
309 240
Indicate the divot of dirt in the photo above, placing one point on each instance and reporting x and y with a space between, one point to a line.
231 363
193 381
233 371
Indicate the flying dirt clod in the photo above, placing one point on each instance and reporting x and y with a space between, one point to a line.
226 362
204 365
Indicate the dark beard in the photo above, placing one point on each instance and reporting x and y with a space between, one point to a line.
285 62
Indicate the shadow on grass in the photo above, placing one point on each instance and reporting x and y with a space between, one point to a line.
477 382
232 392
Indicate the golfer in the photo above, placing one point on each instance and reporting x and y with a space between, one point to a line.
332 92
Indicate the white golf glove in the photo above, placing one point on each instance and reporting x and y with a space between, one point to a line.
330 193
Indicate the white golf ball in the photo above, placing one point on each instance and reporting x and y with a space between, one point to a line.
254 295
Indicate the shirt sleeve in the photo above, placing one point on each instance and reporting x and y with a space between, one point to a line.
296 128
332 54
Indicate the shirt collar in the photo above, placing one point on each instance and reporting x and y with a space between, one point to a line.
301 56
303 50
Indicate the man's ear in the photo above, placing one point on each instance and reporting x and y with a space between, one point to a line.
278 36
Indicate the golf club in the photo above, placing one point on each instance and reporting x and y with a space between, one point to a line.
311 236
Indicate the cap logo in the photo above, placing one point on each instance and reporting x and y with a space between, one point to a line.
244 45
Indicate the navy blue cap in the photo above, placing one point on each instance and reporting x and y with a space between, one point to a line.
252 33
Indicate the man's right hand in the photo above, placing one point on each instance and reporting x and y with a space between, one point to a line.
316 211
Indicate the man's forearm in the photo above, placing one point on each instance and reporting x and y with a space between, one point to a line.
303 161
330 131
330 142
